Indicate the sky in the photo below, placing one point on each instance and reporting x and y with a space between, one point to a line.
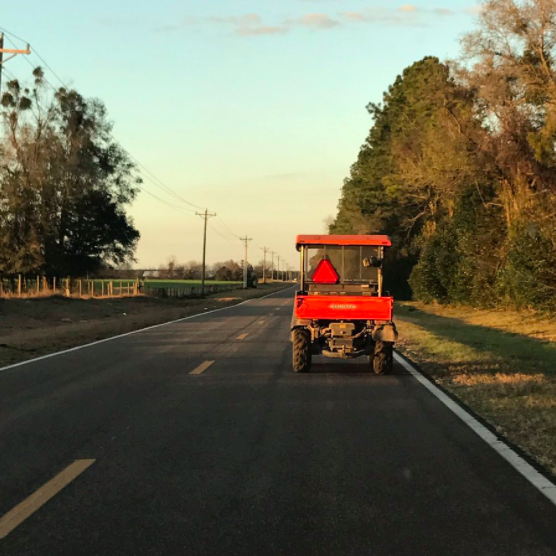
254 109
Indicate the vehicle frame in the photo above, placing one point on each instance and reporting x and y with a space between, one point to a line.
351 317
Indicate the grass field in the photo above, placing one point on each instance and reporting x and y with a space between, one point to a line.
502 364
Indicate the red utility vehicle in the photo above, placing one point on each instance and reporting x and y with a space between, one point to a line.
340 310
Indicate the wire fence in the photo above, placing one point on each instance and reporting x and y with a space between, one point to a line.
41 286
21 286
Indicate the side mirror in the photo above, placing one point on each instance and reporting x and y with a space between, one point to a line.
372 262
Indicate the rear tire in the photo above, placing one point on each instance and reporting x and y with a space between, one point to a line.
383 359
301 350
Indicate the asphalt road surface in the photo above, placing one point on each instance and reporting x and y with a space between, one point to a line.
196 438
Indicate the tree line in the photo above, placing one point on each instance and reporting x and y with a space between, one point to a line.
225 271
459 167
64 183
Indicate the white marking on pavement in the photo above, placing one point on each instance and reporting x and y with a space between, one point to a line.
117 337
201 368
242 336
40 497
538 480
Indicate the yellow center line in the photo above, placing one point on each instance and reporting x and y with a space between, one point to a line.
242 336
16 516
201 368
261 322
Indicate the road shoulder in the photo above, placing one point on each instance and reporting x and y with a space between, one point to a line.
37 327
501 372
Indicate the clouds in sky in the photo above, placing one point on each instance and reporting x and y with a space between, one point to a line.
253 25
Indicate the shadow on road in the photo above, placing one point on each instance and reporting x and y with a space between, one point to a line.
355 367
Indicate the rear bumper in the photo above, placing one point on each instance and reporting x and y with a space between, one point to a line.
342 307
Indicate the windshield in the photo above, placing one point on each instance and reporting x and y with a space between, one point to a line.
353 264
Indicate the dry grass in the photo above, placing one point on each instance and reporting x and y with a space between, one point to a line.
502 364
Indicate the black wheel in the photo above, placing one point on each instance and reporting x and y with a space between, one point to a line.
383 359
301 350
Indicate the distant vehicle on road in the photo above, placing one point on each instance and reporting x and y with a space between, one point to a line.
340 310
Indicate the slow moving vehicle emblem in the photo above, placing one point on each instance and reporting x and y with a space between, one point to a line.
325 273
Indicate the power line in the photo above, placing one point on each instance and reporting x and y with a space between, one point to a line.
12 53
154 179
226 231
221 235
150 180
227 227
29 61
35 51
179 209
13 35
4 70
162 184
170 205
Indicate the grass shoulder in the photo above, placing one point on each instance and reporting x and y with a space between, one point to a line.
500 363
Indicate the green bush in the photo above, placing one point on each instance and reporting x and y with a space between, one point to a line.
528 277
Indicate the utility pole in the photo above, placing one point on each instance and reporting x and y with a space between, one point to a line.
206 215
272 268
13 52
246 240
278 269
265 251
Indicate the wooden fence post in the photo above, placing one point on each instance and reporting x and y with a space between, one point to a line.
38 285
80 287
19 286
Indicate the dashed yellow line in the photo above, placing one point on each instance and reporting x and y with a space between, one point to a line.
261 322
40 497
201 368
242 336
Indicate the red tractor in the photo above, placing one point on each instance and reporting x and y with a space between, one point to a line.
340 310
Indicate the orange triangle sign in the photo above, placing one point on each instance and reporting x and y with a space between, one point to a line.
325 273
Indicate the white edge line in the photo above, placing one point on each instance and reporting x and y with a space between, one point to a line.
538 480
69 350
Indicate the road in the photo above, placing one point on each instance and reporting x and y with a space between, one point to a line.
206 443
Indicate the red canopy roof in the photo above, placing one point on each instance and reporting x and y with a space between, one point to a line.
379 241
